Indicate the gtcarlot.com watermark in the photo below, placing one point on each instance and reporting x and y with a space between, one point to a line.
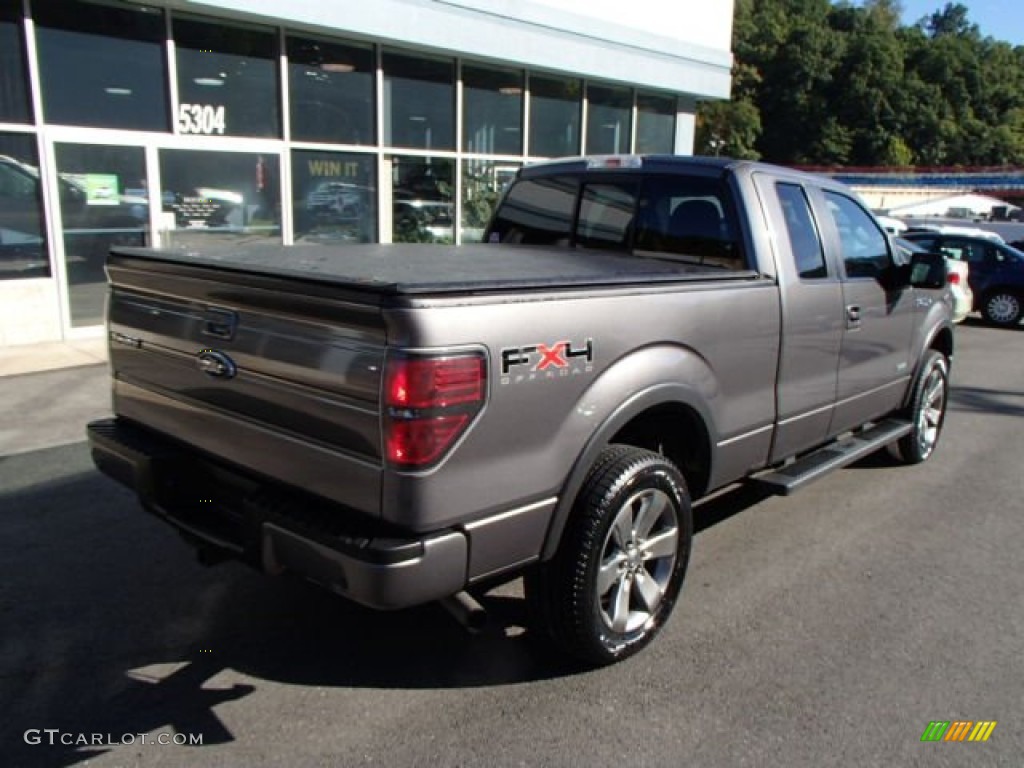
55 736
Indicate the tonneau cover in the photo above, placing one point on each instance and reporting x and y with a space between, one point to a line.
411 269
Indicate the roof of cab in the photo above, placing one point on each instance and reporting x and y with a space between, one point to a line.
668 163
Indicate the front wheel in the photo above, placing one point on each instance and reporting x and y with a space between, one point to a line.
622 559
927 409
1002 308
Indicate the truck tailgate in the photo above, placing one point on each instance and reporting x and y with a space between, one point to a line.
277 375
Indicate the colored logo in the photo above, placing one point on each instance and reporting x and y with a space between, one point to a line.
958 730
546 357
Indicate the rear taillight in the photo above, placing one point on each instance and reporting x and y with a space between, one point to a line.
428 404
953 278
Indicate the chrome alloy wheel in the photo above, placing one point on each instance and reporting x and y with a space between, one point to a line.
637 559
1003 308
929 414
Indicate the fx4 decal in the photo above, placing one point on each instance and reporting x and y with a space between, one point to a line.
534 361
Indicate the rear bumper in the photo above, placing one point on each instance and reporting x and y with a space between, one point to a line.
221 509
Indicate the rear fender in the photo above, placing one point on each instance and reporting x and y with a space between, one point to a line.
653 376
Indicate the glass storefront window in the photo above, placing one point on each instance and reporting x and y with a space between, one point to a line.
14 103
608 119
330 91
555 106
655 123
225 197
419 102
492 108
102 203
227 79
102 65
422 199
334 197
483 181
23 251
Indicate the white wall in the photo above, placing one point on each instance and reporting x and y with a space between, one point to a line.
699 22
682 46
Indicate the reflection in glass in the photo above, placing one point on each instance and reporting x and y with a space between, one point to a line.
608 119
102 203
655 123
421 194
483 181
492 105
331 91
225 197
227 79
334 197
555 106
102 65
14 103
419 102
23 250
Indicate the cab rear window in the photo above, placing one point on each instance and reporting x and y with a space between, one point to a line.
689 219
536 212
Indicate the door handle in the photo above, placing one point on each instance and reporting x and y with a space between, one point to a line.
853 316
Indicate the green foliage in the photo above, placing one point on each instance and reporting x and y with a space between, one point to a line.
816 82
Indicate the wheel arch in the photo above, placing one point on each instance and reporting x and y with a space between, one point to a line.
941 339
670 419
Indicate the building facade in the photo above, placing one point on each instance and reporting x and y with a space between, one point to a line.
182 124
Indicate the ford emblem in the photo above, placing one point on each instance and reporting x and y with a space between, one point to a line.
216 364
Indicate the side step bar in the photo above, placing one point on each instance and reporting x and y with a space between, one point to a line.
793 477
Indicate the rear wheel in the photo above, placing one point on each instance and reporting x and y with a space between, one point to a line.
622 559
1002 308
927 410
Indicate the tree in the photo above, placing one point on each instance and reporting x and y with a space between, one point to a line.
818 83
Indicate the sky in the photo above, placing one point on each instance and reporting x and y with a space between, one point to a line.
1001 19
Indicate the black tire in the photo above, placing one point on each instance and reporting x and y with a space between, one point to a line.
1002 308
621 562
927 410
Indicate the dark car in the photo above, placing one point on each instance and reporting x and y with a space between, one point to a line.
996 271
92 222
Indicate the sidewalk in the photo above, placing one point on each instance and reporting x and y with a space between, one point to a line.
51 356
49 392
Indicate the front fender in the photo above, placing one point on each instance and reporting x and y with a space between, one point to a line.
934 331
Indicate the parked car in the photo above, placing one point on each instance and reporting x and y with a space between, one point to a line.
958 278
891 225
956 229
338 201
996 271
92 223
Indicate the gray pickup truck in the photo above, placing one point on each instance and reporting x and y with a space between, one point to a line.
406 423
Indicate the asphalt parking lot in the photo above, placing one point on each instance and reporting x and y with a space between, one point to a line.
829 628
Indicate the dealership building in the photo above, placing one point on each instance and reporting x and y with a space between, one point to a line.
311 122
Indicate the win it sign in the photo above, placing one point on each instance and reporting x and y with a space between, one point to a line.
958 730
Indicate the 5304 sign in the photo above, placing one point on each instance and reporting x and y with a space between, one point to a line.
201 118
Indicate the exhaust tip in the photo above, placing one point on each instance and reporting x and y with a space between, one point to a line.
465 609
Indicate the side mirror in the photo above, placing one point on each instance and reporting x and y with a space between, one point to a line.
928 270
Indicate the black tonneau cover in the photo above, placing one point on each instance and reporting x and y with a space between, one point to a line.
415 269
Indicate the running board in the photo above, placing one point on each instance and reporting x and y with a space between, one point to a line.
809 468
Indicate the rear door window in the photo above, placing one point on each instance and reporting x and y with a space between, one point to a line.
803 234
